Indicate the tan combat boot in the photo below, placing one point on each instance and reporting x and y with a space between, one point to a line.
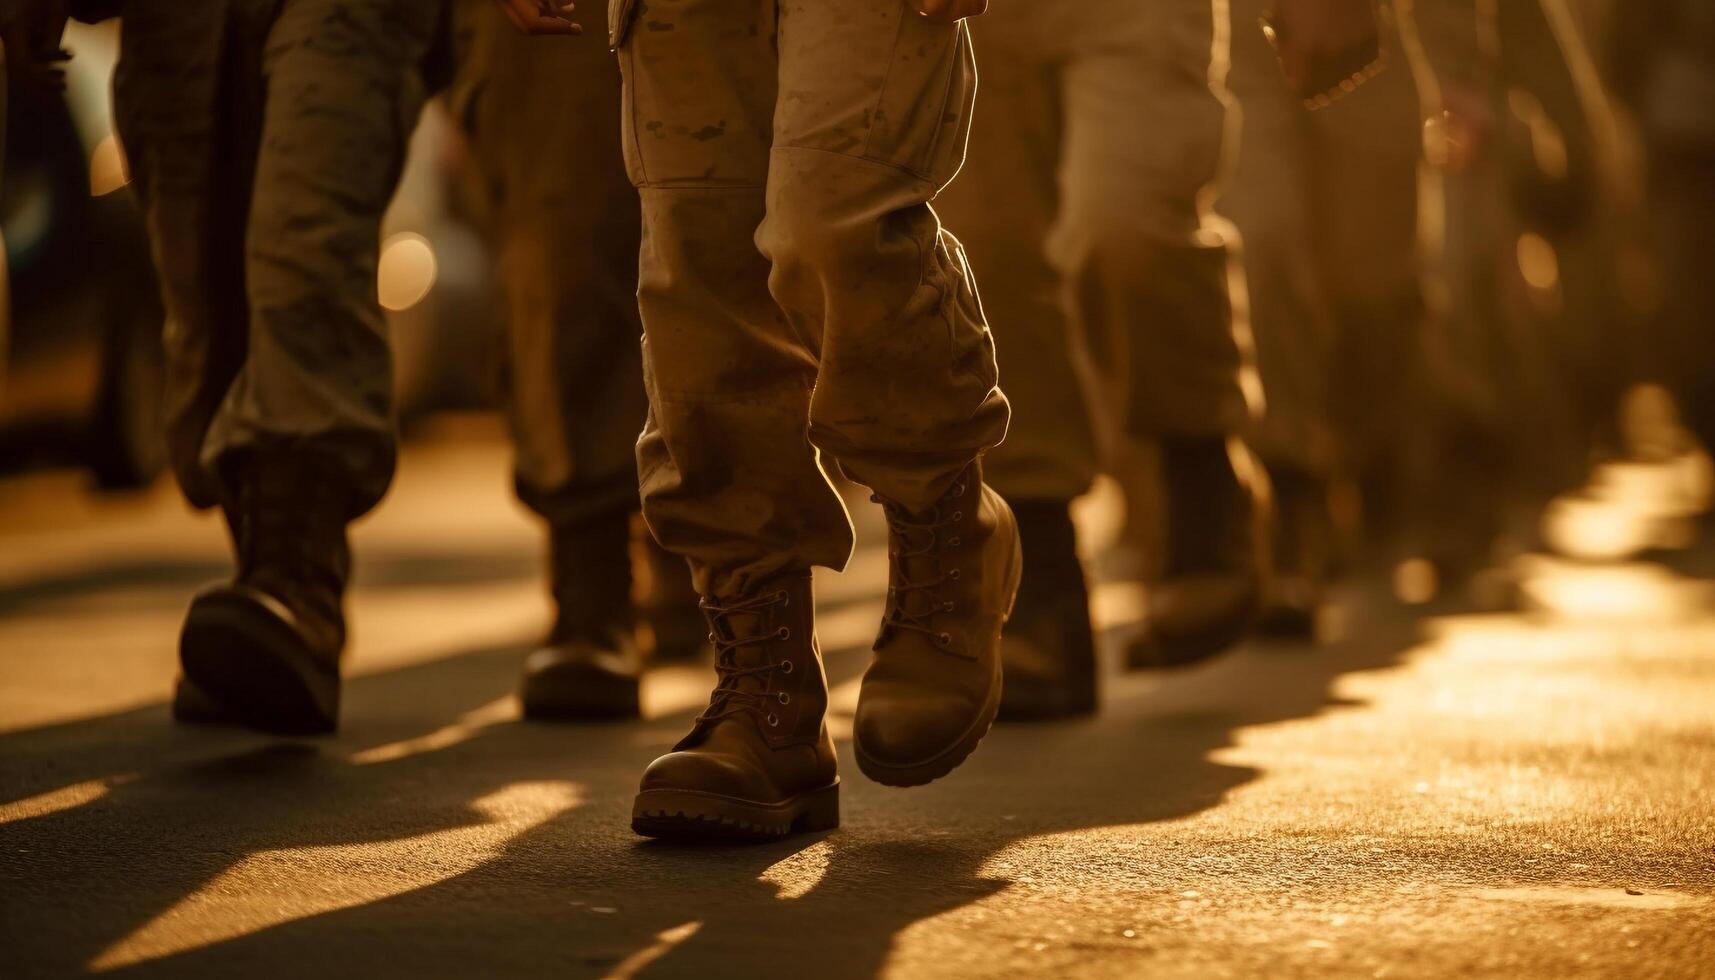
934 687
759 763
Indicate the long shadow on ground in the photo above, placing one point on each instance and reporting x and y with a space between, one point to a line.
575 894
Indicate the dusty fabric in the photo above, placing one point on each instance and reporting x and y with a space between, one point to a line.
542 115
1083 207
798 293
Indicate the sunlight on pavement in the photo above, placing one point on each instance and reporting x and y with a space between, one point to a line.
468 725
62 799
270 888
797 873
664 942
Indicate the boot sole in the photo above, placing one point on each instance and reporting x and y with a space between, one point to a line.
255 668
687 815
950 758
596 697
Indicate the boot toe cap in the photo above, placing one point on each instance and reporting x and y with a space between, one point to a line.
900 729
702 772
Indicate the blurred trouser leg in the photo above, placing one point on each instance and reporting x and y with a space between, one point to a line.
344 88
188 106
1050 455
563 221
1682 218
799 296
1110 128
300 443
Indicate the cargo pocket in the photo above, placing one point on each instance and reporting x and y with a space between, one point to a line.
923 117
619 17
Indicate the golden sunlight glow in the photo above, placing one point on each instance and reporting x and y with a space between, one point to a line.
1537 262
407 272
108 170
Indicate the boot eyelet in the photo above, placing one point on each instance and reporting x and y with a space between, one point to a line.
945 639
954 574
773 720
785 698
784 632
711 639
958 515
785 667
947 606
785 597
953 542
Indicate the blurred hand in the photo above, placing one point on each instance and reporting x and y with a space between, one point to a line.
949 11
34 57
1324 42
541 16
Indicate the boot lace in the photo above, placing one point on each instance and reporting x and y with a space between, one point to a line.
729 697
920 539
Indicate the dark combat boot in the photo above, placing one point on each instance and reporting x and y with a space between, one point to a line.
1048 654
263 651
1302 539
1210 588
590 668
934 687
759 763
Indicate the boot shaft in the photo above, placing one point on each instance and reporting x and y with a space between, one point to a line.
769 663
287 513
589 577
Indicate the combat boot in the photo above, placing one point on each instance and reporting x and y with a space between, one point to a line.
759 763
934 687
1210 589
590 668
265 648
1048 652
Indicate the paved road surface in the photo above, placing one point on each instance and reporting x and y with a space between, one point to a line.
1495 795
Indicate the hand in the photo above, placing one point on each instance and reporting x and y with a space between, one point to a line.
1323 43
950 11
34 57
541 16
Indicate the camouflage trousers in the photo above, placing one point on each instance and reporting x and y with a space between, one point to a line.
799 296
298 119
1083 206
266 138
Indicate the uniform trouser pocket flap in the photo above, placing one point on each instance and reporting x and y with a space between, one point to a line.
619 15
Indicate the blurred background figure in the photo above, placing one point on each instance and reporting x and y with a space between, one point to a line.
265 189
1106 284
1325 203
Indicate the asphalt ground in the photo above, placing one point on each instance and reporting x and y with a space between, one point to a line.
1430 793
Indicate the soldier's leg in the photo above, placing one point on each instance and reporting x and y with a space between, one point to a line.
1146 275
872 123
868 305
1002 207
302 443
1269 200
563 220
729 479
